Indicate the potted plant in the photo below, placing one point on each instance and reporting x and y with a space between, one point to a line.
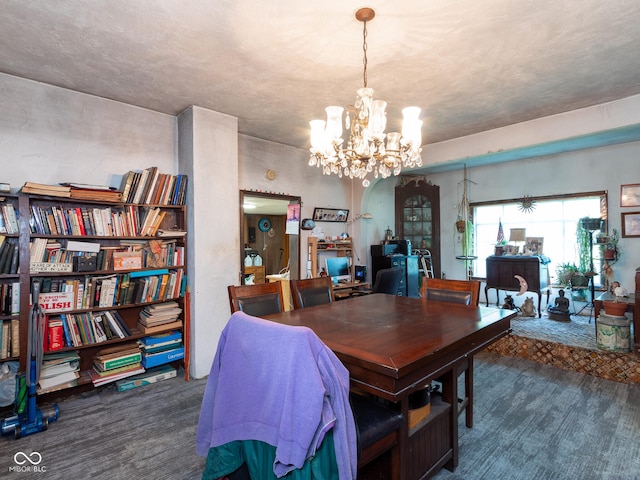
565 273
610 248
584 245
615 307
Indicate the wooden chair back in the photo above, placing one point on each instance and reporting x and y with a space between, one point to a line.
465 292
311 291
256 300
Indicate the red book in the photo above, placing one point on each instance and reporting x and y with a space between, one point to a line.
55 334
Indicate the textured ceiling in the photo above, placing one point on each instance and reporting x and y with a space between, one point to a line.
471 65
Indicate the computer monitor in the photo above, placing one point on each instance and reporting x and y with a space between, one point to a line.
338 269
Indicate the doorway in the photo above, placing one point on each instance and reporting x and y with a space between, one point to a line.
266 247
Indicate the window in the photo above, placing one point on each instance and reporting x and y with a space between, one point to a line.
554 219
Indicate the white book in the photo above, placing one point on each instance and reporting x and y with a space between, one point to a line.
114 325
97 222
15 298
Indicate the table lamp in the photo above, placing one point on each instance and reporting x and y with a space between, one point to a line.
517 235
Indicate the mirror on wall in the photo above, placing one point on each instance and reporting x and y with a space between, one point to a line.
266 247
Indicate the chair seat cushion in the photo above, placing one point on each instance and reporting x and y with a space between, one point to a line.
373 419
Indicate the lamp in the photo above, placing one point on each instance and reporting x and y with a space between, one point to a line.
517 235
366 120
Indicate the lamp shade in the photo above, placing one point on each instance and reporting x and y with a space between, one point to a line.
517 235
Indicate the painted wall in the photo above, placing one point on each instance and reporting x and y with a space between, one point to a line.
595 169
50 135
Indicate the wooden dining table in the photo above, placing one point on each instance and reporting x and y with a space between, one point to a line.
393 346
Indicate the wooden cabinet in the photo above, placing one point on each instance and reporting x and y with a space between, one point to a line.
107 260
417 206
502 272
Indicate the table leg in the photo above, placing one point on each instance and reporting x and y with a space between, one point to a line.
450 395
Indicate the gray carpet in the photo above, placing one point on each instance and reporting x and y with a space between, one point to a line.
531 422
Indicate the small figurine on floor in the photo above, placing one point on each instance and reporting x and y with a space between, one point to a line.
560 310
509 304
528 309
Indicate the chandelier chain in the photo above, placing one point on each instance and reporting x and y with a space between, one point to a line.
364 51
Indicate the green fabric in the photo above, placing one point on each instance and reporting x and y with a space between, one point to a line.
259 457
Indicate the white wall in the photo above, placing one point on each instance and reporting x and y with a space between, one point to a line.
50 135
604 168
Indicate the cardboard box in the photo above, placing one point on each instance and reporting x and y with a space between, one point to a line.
153 375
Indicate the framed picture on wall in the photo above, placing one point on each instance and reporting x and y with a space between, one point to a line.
330 215
630 195
534 245
631 224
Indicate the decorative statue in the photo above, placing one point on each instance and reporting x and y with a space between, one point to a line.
528 309
508 303
560 310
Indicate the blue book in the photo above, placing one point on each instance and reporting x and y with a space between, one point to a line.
160 358
67 334
148 273
153 340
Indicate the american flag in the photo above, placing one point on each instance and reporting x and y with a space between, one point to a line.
500 232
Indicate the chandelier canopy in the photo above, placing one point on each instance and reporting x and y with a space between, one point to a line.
368 148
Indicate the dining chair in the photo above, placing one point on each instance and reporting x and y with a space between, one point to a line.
236 425
311 291
256 300
388 281
463 292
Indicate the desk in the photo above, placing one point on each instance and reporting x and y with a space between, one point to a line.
501 271
342 290
394 345
631 307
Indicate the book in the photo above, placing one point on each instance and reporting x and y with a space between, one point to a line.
55 334
42 189
161 339
103 364
166 356
48 383
153 375
159 328
15 337
98 380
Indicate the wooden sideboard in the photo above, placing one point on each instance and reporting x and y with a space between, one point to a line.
502 271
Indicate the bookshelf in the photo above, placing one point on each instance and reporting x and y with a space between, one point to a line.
318 248
99 261
9 279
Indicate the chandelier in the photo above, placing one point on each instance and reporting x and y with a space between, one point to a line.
368 148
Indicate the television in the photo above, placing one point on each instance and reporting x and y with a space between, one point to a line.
338 269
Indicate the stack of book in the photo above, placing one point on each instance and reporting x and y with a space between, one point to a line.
159 317
99 193
116 363
51 190
58 371
161 349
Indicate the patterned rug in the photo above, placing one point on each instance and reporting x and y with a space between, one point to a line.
568 345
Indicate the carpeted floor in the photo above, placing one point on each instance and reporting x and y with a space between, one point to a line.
532 422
